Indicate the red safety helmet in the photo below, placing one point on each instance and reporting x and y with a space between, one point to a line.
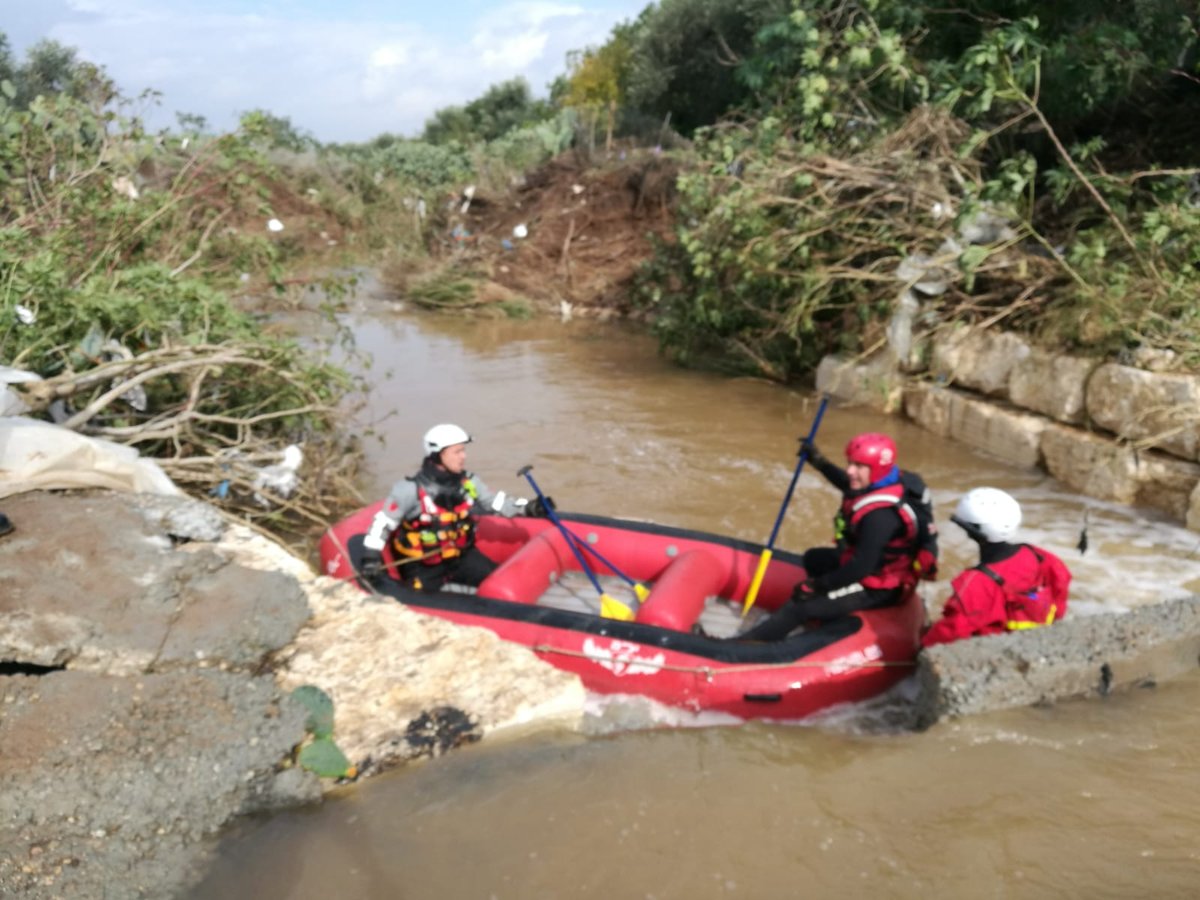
876 451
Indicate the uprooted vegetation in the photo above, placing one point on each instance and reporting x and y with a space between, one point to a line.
873 177
570 235
119 255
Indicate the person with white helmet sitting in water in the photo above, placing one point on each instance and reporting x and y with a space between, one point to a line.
1014 586
429 518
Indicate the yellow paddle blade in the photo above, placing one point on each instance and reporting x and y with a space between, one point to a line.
756 581
612 608
642 592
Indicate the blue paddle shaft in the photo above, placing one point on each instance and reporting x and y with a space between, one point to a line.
572 536
812 436
553 517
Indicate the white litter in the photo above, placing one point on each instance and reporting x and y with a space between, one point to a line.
280 479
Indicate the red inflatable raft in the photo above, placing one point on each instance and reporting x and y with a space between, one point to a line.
658 654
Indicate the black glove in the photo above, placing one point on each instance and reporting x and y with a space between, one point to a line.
539 508
370 564
803 591
809 449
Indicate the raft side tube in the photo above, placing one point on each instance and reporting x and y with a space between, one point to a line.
677 599
525 576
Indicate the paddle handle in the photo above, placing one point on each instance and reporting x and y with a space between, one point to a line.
756 581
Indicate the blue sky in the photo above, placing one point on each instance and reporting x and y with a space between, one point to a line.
342 71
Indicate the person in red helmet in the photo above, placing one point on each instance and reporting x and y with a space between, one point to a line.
884 535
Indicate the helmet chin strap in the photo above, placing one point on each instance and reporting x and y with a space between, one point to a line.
432 466
974 532
890 478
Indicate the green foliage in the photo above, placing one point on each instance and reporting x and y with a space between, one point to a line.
599 79
684 55
502 162
1091 56
320 709
831 73
320 755
500 109
444 289
797 216
518 309
325 759
271 131
427 167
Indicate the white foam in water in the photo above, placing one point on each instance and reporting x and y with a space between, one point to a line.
1134 558
613 713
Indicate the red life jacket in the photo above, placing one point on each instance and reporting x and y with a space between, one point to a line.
1034 586
896 570
437 533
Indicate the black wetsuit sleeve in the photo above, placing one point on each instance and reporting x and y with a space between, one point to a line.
834 474
875 530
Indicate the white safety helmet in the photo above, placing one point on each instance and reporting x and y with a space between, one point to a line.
989 514
439 437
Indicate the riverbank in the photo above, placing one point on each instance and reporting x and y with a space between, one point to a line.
1116 431
148 660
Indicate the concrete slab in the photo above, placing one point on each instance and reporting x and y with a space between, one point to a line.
1077 657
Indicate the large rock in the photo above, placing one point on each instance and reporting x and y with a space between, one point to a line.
1153 409
876 383
1006 433
1166 483
119 597
109 785
1077 657
981 360
395 676
1091 464
1052 384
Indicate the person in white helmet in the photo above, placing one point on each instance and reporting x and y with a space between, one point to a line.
1014 586
428 519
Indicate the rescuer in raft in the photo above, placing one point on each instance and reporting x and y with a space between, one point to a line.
1015 586
885 538
429 518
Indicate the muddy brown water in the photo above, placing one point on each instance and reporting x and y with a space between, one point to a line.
1089 798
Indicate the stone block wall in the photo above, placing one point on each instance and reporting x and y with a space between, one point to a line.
1112 431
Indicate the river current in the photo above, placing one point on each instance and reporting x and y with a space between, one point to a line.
1081 799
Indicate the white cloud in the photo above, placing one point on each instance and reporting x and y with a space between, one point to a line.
340 79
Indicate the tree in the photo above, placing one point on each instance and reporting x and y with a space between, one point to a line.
685 54
192 123
275 131
500 109
51 69
7 68
598 77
